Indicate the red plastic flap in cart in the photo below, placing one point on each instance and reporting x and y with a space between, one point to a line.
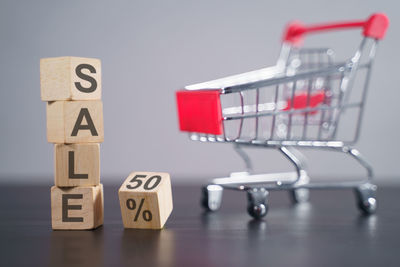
199 111
301 101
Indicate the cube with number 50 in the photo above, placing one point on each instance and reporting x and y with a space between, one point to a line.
146 200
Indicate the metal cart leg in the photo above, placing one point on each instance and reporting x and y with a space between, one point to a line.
299 195
245 157
257 205
212 197
365 193
366 198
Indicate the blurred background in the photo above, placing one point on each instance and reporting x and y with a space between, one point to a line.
149 49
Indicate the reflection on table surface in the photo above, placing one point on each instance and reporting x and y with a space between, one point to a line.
327 231
77 248
231 239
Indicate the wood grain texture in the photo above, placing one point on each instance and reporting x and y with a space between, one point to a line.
55 122
143 193
70 78
77 208
62 117
76 164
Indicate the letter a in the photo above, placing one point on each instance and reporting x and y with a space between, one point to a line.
79 126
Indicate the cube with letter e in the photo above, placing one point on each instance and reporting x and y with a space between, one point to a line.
78 208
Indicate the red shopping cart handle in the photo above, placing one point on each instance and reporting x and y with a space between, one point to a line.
301 101
374 27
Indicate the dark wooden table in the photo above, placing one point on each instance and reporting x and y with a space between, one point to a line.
328 231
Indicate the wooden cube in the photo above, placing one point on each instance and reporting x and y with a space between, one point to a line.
146 200
70 78
75 122
77 208
76 164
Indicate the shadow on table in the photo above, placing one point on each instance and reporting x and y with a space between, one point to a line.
147 247
77 248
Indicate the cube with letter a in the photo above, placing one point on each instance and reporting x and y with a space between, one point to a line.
75 122
77 208
70 78
146 200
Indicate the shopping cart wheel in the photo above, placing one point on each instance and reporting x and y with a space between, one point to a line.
300 195
257 205
366 198
212 197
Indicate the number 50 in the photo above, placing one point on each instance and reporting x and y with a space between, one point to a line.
146 186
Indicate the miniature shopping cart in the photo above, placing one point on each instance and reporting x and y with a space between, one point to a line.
307 100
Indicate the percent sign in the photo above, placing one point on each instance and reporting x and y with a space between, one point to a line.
131 204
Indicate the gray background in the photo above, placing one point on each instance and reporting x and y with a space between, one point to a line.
148 50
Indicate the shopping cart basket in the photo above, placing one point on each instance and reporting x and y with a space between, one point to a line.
299 102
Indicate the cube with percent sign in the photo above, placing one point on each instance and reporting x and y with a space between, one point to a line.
146 200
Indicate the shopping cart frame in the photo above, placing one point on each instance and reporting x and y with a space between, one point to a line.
297 183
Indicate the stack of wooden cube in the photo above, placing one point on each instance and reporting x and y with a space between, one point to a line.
71 86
